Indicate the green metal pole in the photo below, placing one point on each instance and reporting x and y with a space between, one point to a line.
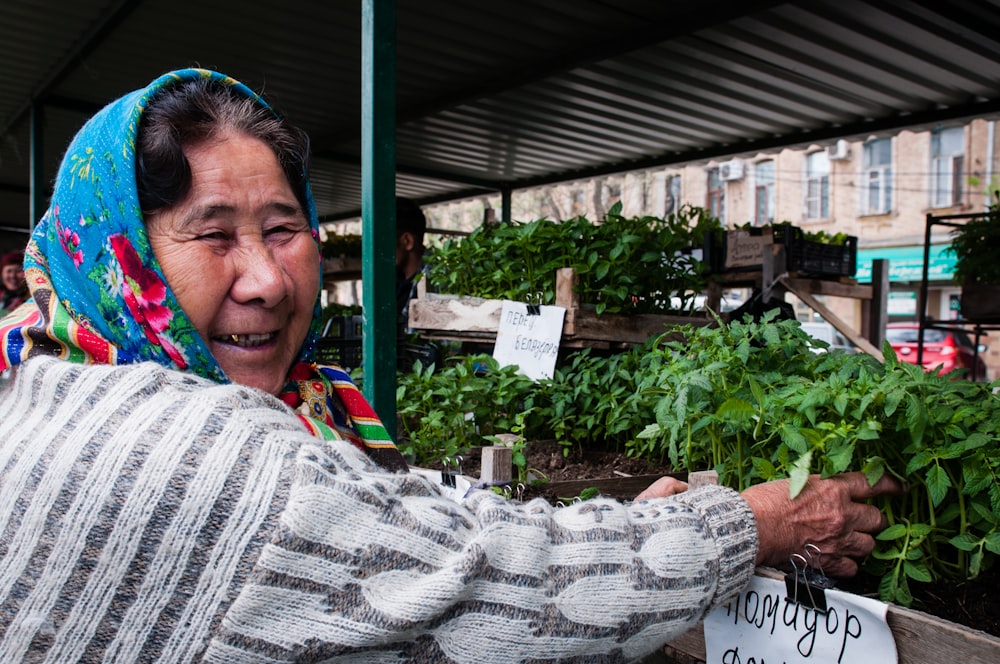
378 206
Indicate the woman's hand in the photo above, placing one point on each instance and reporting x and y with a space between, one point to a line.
663 487
828 513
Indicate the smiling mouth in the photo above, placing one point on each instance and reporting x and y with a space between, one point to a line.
247 340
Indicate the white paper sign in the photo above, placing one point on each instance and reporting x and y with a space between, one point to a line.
744 249
762 626
529 341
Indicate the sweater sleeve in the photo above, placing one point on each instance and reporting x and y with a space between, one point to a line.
383 567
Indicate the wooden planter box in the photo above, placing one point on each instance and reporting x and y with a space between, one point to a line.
920 639
981 303
473 318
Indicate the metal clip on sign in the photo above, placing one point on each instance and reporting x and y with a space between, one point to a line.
804 584
448 475
535 305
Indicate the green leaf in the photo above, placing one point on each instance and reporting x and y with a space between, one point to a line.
965 542
893 532
841 458
874 469
735 409
650 431
937 483
917 572
794 439
799 474
993 543
840 403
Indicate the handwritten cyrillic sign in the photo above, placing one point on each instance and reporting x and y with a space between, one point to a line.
763 626
531 341
744 249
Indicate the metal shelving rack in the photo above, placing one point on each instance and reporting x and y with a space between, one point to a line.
978 330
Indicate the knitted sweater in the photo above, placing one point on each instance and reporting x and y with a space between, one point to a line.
148 515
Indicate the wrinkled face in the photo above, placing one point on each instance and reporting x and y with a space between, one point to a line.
13 277
239 255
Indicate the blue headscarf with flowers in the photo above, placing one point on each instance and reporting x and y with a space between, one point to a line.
99 295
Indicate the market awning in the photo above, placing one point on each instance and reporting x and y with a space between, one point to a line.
907 263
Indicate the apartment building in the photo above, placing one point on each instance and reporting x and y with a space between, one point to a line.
879 188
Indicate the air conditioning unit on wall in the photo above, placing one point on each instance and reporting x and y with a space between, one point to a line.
839 151
731 170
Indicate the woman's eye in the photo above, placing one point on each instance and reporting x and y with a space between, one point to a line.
280 232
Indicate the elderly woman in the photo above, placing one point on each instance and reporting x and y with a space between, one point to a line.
15 289
181 483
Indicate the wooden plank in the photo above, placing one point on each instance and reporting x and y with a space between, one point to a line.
920 638
481 318
630 328
835 320
466 314
829 287
617 486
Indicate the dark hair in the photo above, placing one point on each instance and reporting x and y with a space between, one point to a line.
12 258
183 114
410 218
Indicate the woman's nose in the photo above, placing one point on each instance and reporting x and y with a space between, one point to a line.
259 276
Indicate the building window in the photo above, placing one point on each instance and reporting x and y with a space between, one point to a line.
763 175
671 194
877 164
817 185
947 166
716 202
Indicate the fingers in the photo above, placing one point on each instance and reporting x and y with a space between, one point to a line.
663 487
841 567
859 489
829 513
867 519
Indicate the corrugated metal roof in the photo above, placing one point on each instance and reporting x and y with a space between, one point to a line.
513 94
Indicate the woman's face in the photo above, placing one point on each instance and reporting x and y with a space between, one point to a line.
12 277
240 257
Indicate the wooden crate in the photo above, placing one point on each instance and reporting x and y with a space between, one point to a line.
472 318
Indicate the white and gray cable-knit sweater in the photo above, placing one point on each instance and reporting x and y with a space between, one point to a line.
147 515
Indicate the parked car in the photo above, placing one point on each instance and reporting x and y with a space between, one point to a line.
831 335
949 349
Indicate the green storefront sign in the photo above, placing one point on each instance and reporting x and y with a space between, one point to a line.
907 263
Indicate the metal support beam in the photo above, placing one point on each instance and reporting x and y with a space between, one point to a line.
378 206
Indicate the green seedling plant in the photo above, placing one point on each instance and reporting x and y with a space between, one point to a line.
624 264
753 401
444 412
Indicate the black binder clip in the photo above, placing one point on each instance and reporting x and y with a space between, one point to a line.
535 308
806 584
449 474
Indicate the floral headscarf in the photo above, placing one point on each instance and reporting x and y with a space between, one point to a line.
99 295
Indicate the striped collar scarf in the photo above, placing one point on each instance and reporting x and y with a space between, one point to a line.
99 296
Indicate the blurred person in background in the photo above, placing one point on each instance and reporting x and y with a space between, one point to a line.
15 288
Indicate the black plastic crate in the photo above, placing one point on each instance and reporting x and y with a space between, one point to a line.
344 327
817 258
345 353
801 255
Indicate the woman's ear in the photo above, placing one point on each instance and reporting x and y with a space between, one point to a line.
407 241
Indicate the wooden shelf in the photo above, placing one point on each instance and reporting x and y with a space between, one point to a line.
477 319
341 268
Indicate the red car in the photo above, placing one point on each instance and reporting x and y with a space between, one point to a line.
949 349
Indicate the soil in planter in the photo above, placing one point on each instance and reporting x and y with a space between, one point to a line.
970 603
